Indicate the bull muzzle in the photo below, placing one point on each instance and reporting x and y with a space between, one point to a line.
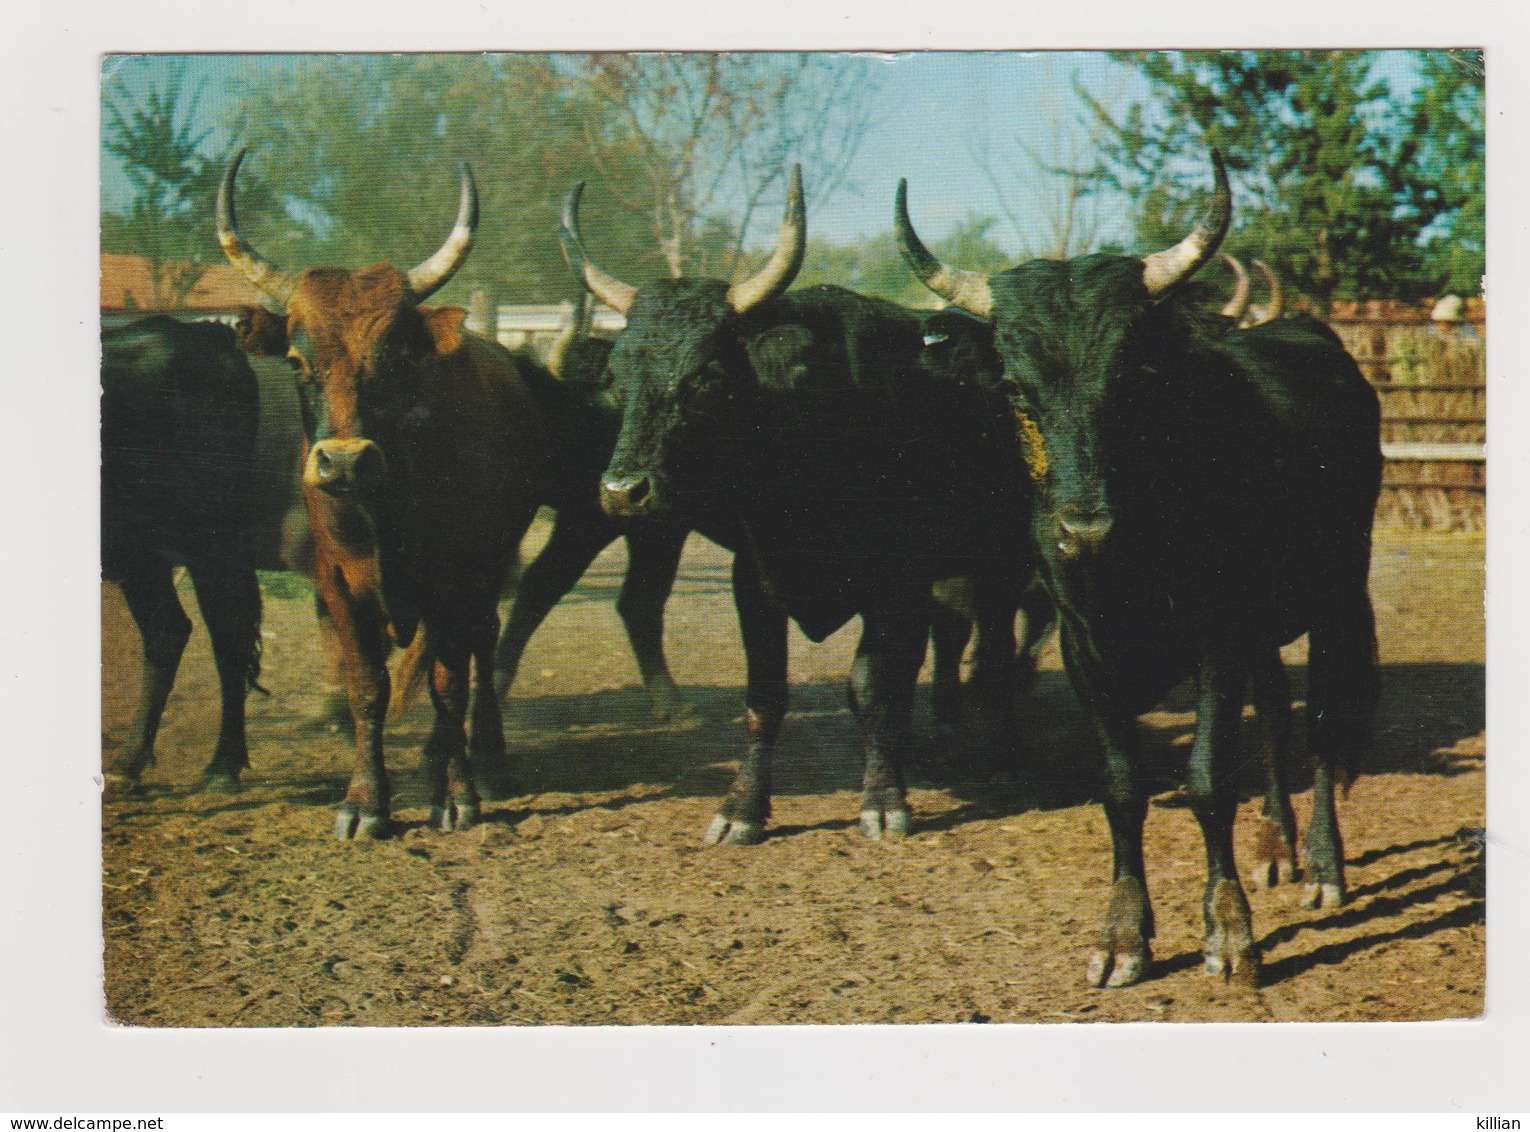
1081 533
346 468
626 497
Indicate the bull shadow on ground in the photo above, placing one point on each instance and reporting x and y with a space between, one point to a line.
606 749
606 743
1453 886
1426 711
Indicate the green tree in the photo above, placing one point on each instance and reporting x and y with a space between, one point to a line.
169 219
364 150
694 145
1450 182
1329 183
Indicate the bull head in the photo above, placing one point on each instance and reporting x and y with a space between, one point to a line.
1080 342
776 276
358 340
683 366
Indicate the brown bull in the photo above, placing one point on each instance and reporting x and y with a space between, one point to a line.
424 467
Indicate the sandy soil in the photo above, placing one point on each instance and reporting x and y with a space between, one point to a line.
589 898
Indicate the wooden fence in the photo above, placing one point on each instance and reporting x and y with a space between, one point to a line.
1432 380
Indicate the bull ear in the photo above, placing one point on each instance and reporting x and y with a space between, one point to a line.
779 355
444 325
958 346
261 333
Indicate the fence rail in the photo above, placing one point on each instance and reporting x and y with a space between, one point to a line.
1433 389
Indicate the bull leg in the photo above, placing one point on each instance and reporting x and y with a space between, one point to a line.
1213 793
742 816
149 589
1341 702
994 673
573 545
950 631
449 776
881 693
653 558
993 662
486 740
1276 841
1123 954
1040 619
230 604
334 708
366 811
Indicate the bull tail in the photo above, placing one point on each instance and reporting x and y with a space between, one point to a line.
413 668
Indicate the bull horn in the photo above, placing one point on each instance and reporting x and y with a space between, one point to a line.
430 276
1163 271
607 288
791 244
966 289
576 329
1277 304
269 278
1236 306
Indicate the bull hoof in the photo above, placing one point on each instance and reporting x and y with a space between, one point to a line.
355 824
889 823
1123 955
1237 966
115 784
1229 948
1273 873
1117 968
664 702
1274 859
734 831
454 816
1323 896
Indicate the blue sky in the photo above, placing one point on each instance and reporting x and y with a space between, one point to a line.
939 115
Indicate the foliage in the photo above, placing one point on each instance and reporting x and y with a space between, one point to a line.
1336 178
1449 124
169 220
694 144
366 151
874 266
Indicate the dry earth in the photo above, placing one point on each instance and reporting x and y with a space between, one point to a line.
590 899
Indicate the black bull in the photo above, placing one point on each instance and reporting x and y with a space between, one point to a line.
584 413
854 494
802 430
1208 498
178 439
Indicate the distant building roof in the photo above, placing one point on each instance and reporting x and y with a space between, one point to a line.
126 285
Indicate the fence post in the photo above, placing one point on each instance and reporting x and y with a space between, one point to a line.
483 315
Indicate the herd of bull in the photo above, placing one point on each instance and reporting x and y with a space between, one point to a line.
1183 491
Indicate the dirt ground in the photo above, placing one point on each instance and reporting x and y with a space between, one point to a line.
590 898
